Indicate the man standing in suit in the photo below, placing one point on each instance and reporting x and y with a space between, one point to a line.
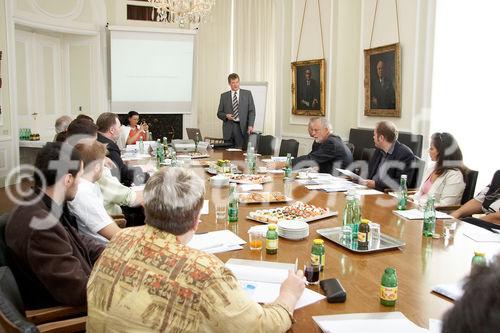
390 160
382 90
237 112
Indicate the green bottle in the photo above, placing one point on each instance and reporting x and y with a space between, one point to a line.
232 207
364 234
403 193
141 146
288 166
251 163
318 253
429 218
389 287
271 239
479 260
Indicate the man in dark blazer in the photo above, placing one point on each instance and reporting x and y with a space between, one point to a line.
108 132
237 112
49 257
328 150
390 160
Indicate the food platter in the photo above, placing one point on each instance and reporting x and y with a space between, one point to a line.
250 179
296 211
263 197
193 155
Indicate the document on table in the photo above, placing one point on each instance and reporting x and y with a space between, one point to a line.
415 214
261 280
368 191
482 235
367 323
350 174
338 186
233 149
216 242
451 290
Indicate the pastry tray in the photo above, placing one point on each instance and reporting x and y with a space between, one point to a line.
384 243
311 219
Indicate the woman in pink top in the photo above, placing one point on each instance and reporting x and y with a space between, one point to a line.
445 177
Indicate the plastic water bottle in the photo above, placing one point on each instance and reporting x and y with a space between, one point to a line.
232 207
141 146
288 166
251 159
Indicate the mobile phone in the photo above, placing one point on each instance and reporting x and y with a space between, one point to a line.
334 291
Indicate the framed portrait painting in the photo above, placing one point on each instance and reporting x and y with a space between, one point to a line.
308 87
383 81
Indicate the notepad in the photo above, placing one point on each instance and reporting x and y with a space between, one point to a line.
415 214
216 241
261 280
367 323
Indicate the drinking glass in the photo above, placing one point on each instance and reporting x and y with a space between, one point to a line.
220 212
255 239
311 272
449 228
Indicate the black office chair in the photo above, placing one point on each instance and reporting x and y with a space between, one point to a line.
265 145
418 167
289 146
3 246
367 154
470 185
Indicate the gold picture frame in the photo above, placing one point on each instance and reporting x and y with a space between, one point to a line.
383 81
308 95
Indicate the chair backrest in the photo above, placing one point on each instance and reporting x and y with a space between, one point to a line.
3 246
362 138
289 146
12 318
470 185
265 145
418 173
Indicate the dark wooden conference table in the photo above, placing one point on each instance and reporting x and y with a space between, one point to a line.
421 264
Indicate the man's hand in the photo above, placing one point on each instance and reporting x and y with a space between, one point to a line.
315 102
250 130
368 183
144 127
229 116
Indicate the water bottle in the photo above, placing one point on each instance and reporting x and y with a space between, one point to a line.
402 193
141 146
356 214
288 166
347 217
251 159
232 207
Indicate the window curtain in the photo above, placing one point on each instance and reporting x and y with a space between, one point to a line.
213 53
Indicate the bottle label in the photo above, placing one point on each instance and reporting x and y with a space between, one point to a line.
271 244
388 293
315 259
322 260
362 236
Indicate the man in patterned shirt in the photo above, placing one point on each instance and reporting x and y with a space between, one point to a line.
149 280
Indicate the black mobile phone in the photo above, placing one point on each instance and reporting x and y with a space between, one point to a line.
334 291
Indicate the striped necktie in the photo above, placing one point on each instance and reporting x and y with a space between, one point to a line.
236 113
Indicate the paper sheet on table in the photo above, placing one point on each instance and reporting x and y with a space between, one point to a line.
482 235
451 290
349 173
367 323
368 192
338 186
261 280
415 214
216 241
205 210
233 149
435 325
251 187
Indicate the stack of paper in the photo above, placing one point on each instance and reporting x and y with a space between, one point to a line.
415 214
367 323
350 174
452 290
216 241
262 280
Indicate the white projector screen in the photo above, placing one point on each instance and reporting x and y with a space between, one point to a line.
151 72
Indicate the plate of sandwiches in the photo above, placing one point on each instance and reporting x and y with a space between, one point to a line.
298 211
263 197
250 179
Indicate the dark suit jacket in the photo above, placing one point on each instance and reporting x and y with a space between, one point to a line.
122 171
326 154
246 109
384 93
51 265
392 175
308 93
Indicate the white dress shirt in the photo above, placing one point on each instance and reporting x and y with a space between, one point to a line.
88 208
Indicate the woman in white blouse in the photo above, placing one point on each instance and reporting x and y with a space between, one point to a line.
445 177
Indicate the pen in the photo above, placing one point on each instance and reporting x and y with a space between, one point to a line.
296 264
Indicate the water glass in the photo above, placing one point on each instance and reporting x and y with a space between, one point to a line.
449 228
346 232
311 272
374 231
255 240
220 212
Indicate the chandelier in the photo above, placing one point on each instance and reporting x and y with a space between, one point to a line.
190 12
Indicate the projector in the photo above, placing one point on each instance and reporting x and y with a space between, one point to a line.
188 145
